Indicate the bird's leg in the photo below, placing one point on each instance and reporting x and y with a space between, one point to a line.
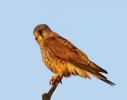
55 79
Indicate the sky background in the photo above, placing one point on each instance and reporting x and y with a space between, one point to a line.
97 27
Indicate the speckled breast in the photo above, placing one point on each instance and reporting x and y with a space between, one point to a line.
54 63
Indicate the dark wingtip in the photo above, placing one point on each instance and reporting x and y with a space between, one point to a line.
109 82
104 71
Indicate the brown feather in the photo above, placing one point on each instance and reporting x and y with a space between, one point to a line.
63 58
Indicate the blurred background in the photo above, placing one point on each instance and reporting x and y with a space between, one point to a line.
99 28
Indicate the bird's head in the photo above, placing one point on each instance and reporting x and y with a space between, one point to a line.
41 32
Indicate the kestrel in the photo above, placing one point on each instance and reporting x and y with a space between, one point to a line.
63 58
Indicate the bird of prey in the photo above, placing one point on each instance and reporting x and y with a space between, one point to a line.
63 58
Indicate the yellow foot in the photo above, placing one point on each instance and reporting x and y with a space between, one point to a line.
55 80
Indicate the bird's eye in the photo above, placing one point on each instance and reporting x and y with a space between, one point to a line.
40 31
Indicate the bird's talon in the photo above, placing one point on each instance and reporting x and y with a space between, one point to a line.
55 79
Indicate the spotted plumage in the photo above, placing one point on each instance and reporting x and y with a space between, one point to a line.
63 58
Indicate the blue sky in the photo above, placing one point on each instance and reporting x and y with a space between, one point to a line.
99 28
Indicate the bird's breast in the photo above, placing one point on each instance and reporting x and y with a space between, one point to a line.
55 64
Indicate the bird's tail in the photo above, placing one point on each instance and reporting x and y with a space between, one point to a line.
103 78
94 70
99 69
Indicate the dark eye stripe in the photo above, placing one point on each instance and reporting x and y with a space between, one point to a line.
36 38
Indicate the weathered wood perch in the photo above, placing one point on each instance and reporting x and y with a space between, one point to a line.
47 96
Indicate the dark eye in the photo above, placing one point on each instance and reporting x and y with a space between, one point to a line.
40 31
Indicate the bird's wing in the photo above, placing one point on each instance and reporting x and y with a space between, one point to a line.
62 48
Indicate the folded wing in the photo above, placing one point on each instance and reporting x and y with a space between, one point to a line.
62 48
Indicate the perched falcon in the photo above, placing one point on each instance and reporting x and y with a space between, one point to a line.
63 58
